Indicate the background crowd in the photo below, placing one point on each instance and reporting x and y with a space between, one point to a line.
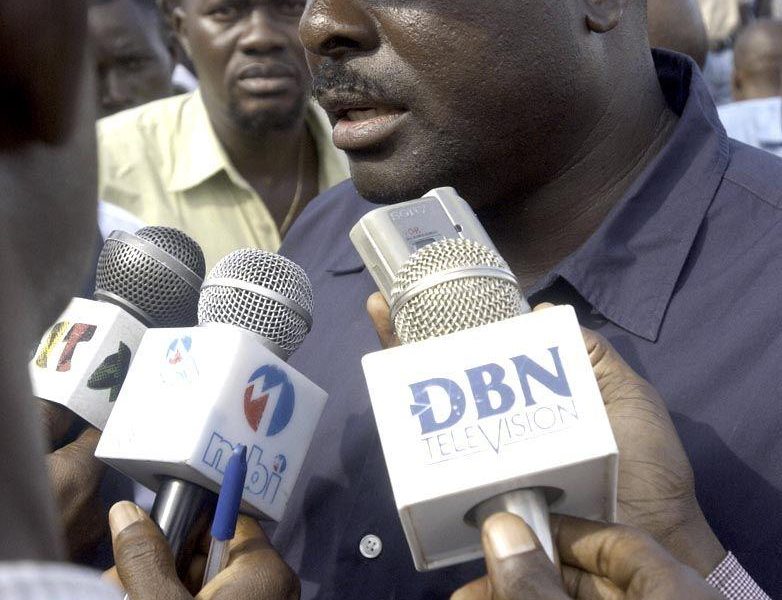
195 131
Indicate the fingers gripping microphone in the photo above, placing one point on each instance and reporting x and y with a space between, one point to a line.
486 406
150 279
194 393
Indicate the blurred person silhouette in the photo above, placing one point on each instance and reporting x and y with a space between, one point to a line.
723 18
678 25
755 117
47 216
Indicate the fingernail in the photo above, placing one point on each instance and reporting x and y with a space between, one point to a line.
122 515
508 536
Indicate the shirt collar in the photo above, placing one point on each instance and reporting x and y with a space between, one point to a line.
199 153
628 269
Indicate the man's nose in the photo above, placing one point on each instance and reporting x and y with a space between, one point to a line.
114 91
262 32
334 28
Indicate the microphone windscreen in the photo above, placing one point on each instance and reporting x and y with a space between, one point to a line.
452 285
262 292
154 274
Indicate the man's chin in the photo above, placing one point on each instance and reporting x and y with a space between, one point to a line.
269 117
386 183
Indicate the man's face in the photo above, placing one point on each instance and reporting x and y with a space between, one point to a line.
427 93
134 63
249 59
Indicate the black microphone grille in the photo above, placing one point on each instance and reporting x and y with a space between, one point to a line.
262 292
154 274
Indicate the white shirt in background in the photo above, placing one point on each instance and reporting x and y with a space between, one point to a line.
755 122
29 580
111 218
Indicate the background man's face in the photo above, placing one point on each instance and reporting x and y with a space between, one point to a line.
134 63
249 59
426 93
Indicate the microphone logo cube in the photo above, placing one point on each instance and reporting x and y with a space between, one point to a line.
83 359
484 411
170 422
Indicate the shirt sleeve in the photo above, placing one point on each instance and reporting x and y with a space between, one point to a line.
50 581
730 578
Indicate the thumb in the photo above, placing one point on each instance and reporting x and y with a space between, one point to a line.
143 557
517 564
378 310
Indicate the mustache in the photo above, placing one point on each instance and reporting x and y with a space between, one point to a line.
332 78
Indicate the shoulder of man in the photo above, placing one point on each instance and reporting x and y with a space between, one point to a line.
136 147
138 127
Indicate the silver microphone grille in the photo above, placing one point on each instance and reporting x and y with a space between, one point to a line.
451 285
262 292
154 274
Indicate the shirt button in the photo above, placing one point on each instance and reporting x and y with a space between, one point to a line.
370 546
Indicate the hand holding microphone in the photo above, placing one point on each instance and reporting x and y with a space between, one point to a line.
599 561
656 491
145 565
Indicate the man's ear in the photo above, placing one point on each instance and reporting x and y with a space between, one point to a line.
179 26
603 15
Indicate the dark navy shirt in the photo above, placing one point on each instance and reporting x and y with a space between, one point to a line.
684 277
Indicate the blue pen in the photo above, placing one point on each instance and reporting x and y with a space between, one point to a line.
227 512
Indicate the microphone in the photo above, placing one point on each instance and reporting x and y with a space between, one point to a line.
485 407
195 393
148 279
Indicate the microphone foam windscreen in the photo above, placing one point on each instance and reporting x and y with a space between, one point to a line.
451 285
155 274
262 292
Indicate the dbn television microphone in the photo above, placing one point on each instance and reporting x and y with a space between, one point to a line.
485 407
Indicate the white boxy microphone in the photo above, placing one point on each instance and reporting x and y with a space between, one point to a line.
150 279
483 408
193 394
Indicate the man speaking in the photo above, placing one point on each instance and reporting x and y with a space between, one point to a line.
604 178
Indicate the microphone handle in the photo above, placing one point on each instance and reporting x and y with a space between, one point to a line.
530 504
178 507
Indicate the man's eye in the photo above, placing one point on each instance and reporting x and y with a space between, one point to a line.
224 13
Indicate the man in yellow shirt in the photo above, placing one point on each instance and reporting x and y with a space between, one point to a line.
233 163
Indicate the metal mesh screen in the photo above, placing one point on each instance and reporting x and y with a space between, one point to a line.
453 305
251 309
178 244
148 285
